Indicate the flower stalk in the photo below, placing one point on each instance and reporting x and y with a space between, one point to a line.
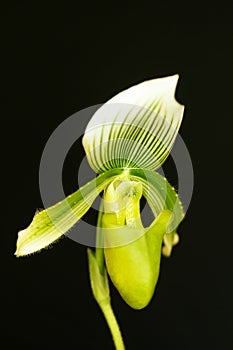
100 286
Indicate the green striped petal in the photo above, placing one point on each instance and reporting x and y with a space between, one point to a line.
161 196
136 128
50 224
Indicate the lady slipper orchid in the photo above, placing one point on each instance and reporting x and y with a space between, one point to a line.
126 141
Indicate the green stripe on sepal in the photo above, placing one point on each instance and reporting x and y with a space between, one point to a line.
136 128
50 224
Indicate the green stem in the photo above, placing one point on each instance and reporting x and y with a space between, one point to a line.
100 287
113 325
99 251
99 254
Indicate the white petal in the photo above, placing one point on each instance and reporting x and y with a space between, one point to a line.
135 128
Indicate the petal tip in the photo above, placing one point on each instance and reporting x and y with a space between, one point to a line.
171 84
20 251
23 246
174 82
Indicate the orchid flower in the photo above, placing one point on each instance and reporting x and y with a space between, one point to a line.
126 142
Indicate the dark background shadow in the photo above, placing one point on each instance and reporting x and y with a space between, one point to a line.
57 61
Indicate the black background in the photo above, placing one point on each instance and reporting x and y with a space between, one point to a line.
58 60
